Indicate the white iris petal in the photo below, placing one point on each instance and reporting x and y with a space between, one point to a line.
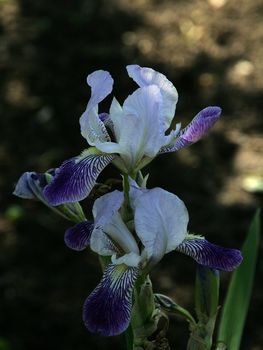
161 220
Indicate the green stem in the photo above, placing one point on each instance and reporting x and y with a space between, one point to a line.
129 338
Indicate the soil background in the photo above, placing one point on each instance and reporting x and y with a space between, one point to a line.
212 51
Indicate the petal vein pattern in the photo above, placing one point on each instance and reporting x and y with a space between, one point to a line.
75 178
107 310
211 255
194 131
78 236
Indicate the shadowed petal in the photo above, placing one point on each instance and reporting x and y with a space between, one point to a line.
107 310
23 188
78 236
198 127
106 207
31 184
75 178
211 255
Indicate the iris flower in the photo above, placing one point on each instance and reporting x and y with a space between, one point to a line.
129 136
158 226
31 185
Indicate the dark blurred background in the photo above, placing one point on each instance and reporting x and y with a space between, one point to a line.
212 51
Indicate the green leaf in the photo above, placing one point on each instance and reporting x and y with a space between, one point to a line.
239 292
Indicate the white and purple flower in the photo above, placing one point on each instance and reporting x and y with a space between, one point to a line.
31 186
129 136
158 226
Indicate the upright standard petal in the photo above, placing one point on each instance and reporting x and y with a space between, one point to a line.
106 207
198 127
144 76
107 310
108 219
141 132
76 177
91 125
78 236
161 220
211 255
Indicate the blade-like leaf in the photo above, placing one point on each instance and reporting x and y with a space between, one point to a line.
239 292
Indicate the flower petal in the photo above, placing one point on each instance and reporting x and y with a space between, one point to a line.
91 126
106 207
194 131
101 243
76 177
211 255
144 76
23 188
107 310
107 217
161 220
141 130
31 184
78 236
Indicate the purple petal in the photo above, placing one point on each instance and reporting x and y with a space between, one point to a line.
107 310
194 131
30 185
75 178
78 236
211 255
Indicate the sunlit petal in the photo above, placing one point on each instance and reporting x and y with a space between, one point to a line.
161 220
144 76
141 131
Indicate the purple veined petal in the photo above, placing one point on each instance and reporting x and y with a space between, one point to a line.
31 184
92 127
107 310
194 131
211 255
78 236
75 178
